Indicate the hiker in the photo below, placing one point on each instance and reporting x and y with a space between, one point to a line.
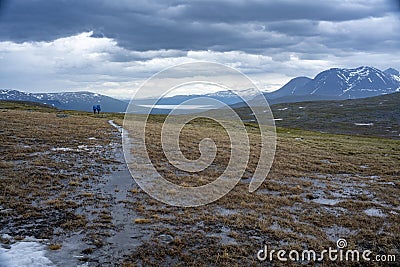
98 108
94 109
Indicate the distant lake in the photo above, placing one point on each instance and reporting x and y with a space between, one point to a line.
179 106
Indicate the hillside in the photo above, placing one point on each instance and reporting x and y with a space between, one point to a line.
26 105
375 116
9 94
82 101
291 88
379 116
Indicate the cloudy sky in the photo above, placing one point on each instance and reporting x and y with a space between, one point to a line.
111 47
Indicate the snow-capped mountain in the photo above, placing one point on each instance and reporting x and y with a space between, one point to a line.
338 83
9 94
232 94
352 83
81 101
67 100
395 74
392 71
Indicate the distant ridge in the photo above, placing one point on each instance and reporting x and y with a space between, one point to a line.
67 100
82 101
10 94
339 83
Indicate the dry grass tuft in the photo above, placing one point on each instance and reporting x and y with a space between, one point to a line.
55 246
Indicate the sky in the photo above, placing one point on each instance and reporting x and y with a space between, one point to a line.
112 47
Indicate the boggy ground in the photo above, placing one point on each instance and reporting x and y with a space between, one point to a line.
63 182
322 187
58 183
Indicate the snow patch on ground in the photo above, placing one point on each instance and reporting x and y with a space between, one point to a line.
112 123
64 149
327 201
374 212
364 124
22 254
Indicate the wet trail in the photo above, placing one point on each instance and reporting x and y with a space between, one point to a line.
112 233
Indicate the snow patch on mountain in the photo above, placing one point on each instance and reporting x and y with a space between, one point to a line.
352 82
9 94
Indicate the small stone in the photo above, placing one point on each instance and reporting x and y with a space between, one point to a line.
5 246
136 236
167 239
62 115
87 251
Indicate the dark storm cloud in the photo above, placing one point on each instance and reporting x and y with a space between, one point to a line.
295 27
183 25
234 11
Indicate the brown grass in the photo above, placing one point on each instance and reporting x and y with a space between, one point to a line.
50 188
359 172
55 246
44 174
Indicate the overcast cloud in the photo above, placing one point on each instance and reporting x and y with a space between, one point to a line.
110 47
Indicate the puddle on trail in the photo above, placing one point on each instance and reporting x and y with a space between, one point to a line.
117 238
223 236
335 232
374 212
127 235
327 201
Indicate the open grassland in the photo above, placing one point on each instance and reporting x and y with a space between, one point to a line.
373 116
321 187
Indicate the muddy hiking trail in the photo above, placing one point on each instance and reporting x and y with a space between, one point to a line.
116 235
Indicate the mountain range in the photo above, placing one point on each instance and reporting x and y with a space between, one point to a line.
338 83
67 100
331 84
227 97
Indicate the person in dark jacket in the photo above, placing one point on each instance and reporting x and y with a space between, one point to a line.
94 109
98 108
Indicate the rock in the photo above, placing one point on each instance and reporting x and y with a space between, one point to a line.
167 239
136 236
87 251
5 211
6 246
62 115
